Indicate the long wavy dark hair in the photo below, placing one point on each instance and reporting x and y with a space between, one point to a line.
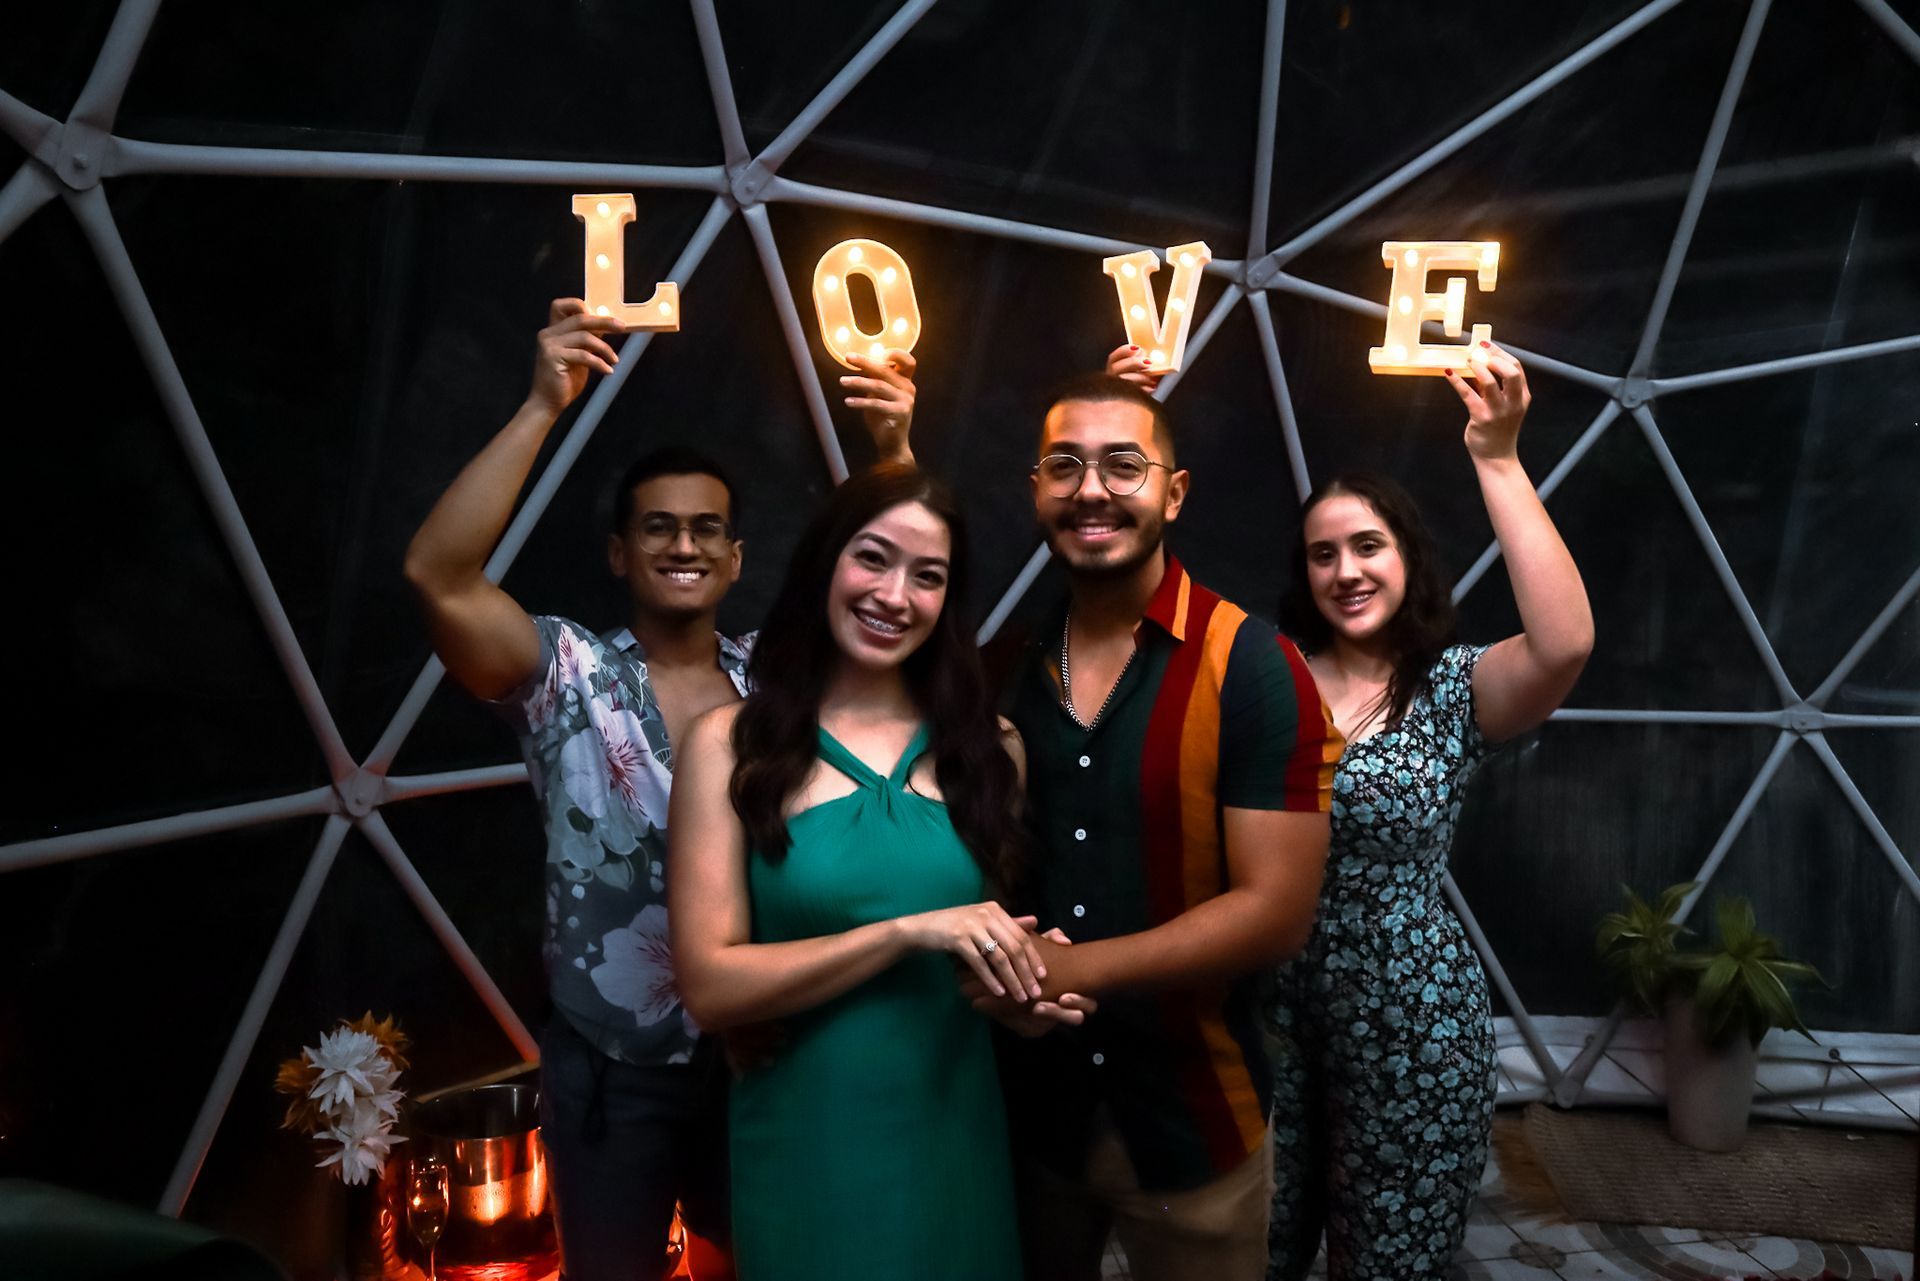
774 742
1424 625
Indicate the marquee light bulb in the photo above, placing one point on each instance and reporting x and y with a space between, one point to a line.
1162 336
605 270
892 282
1411 303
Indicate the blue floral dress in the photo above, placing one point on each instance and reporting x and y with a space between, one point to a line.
1385 1077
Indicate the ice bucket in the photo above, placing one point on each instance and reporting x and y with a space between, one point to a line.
499 1226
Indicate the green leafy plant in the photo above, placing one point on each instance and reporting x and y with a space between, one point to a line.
1639 945
1743 986
1739 985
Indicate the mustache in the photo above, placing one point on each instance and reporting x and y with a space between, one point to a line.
1100 511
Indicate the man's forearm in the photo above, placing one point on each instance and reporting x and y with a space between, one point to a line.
1216 941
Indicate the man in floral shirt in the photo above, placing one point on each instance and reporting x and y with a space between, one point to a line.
633 1098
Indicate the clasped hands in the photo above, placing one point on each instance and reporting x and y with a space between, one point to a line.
1050 1006
1008 969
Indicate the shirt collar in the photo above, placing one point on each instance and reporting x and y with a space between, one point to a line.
733 653
1168 608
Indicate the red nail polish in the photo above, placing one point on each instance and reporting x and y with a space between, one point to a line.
1485 343
1449 373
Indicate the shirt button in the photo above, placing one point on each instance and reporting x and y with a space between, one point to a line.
1085 761
1079 909
1079 833
1098 1059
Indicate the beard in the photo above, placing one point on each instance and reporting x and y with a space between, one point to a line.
1119 562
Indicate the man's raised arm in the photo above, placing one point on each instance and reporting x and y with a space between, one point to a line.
489 644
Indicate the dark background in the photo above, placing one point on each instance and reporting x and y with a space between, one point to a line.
349 344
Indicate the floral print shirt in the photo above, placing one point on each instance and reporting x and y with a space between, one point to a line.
601 767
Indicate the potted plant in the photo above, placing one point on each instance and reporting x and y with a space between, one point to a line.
1717 1004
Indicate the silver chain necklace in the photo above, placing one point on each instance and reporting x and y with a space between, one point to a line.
1066 679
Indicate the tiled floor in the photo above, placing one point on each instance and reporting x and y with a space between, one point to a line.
1505 1240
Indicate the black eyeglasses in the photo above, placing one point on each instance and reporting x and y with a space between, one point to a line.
656 533
1122 472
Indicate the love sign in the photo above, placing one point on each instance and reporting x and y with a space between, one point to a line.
1402 352
892 285
606 217
1162 336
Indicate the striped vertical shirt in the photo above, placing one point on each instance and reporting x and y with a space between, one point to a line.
1216 711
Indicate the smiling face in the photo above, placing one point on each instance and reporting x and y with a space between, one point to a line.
1097 532
684 578
889 585
1354 566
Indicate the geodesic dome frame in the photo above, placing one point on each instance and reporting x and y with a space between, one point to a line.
72 158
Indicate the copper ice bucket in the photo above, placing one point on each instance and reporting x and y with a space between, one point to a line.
499 1225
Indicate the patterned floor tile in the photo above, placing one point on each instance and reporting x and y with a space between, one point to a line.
1891 1263
1490 1174
1500 1270
1487 1240
1561 1234
1807 1258
1674 1261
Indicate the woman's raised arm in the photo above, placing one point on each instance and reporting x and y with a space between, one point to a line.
1520 681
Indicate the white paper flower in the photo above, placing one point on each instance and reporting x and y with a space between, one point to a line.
351 1066
379 1108
363 1144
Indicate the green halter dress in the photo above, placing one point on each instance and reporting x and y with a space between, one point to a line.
874 1145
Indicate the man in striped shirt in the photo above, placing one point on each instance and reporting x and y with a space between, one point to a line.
1180 763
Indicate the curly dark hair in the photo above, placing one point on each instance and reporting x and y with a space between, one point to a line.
774 740
1424 625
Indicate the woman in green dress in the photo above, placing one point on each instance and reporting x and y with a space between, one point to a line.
837 841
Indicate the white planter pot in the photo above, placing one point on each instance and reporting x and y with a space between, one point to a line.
1709 1088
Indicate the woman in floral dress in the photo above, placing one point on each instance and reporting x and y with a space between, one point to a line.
1383 1098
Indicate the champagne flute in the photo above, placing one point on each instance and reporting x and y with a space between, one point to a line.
427 1204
